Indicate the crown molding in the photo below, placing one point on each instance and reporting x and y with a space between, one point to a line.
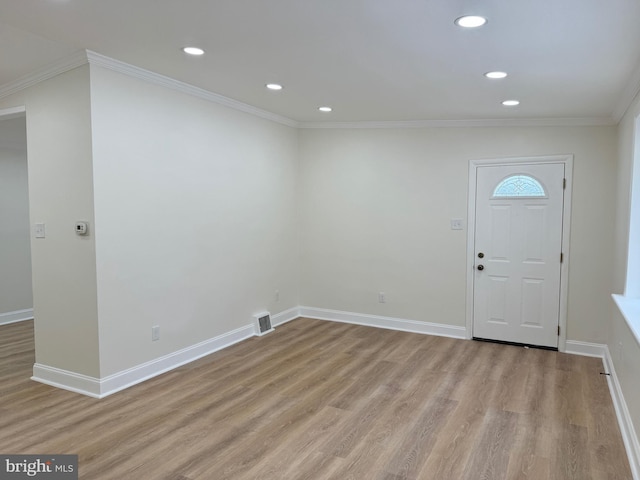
168 82
497 122
628 95
45 73
83 57
87 56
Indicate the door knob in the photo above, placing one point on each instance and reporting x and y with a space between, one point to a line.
481 255
480 267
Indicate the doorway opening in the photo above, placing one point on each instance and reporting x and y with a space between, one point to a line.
518 250
16 296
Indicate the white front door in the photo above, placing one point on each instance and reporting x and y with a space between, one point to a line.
518 245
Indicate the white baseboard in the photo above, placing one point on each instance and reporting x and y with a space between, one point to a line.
284 317
576 347
74 382
17 316
102 387
390 323
627 430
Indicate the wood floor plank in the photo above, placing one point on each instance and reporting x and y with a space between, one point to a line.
285 458
314 466
370 378
420 439
524 461
457 439
374 451
490 456
571 459
318 400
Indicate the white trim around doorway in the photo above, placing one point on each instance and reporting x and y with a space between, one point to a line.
567 160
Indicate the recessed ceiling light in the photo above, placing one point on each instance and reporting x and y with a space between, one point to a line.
273 86
325 109
470 21
193 50
511 103
495 74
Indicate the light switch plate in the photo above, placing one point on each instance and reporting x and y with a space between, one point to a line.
39 230
456 224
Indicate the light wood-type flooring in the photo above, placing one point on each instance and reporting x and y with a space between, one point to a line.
323 400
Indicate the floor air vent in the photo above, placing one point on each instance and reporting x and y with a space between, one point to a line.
263 323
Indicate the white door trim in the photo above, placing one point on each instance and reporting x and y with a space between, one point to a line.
567 160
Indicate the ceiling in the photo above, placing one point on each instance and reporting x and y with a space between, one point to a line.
371 60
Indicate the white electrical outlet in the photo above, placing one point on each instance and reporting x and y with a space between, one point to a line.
382 297
456 224
82 228
155 333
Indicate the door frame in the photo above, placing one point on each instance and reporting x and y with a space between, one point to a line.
567 160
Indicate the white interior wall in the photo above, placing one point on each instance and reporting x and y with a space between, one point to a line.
60 192
15 254
195 218
174 170
376 208
625 350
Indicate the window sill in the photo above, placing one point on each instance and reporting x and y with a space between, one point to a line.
630 309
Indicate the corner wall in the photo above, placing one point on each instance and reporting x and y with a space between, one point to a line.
61 192
376 208
195 218
624 348
201 212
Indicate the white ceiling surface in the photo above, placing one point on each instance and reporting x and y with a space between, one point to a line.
371 60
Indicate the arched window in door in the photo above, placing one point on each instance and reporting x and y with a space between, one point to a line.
519 186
